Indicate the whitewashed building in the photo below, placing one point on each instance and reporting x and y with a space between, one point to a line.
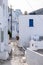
4 47
29 25
15 22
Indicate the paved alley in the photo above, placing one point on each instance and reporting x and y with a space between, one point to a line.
18 57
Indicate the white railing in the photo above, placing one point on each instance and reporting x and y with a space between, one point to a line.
35 45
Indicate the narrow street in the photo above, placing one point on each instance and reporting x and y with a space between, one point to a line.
17 58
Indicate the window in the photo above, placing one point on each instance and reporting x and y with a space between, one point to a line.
31 23
17 27
1 35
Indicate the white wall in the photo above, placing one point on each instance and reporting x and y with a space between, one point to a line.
1 16
25 32
15 20
14 31
4 30
5 20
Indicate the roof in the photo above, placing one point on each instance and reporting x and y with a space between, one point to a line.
37 12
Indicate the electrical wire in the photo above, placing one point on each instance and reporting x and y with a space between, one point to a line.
29 4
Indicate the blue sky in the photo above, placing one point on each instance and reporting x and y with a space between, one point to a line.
26 5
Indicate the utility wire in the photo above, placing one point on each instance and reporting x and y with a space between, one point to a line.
29 4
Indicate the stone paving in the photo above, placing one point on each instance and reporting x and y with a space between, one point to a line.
18 57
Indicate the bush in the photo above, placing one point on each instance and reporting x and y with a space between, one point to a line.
10 35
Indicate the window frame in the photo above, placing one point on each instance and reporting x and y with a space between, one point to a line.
31 22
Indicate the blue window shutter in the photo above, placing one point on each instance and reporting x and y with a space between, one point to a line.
31 23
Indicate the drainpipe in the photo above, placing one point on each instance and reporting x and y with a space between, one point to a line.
11 20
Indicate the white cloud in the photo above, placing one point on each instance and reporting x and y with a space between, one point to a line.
26 5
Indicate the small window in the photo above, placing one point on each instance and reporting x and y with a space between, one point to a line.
17 27
31 23
2 36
